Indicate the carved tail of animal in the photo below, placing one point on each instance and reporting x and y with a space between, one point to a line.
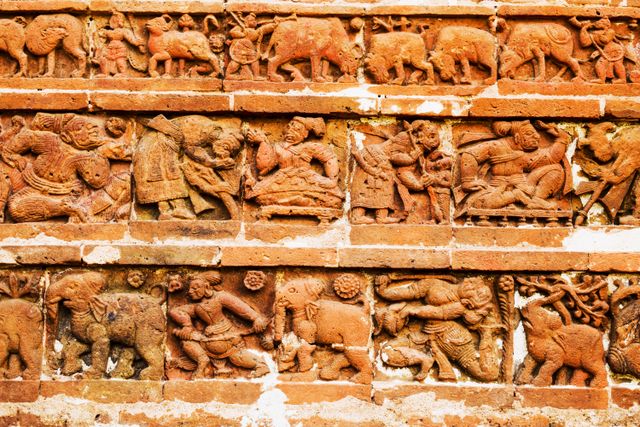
214 23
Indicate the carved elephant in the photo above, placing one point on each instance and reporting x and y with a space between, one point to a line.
318 321
134 320
21 334
553 345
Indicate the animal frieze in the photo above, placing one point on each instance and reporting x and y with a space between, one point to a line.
220 324
99 318
563 322
35 45
428 51
322 328
437 325
400 174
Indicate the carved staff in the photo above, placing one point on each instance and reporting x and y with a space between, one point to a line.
582 213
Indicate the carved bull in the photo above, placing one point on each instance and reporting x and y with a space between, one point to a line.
323 41
394 50
464 45
527 42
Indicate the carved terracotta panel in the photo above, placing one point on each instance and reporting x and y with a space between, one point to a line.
67 166
220 323
295 168
563 321
100 318
622 354
415 50
188 167
21 324
512 172
400 174
33 45
322 326
451 328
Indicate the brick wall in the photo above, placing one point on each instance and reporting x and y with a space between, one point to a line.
319 213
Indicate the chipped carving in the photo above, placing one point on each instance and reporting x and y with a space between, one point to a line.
20 327
623 354
610 158
96 320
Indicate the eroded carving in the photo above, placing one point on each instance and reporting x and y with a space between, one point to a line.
565 345
285 182
186 165
97 320
212 332
332 331
427 320
521 174
624 350
402 178
20 327
610 157
60 165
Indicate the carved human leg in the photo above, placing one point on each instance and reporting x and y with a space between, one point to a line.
194 350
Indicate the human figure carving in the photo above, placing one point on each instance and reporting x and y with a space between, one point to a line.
219 339
285 175
395 168
612 163
112 58
454 314
70 174
514 170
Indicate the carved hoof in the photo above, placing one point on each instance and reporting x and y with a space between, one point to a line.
276 78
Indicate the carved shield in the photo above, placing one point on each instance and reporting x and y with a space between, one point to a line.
243 51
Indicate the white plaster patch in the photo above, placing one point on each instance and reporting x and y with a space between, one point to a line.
102 255
433 107
7 257
367 104
589 239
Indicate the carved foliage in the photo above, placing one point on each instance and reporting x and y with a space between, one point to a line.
564 344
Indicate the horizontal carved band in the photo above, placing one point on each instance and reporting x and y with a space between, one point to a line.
114 168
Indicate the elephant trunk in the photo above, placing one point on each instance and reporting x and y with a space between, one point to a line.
55 294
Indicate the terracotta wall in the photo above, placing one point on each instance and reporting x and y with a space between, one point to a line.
319 213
